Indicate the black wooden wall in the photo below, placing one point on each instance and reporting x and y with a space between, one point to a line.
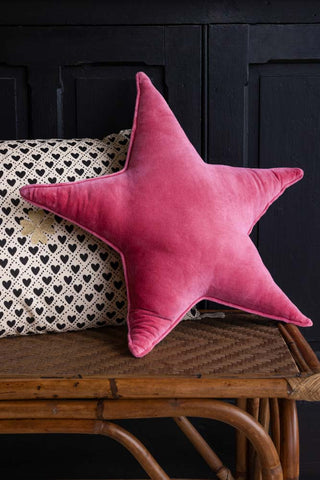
243 78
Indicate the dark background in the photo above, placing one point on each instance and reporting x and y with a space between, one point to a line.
243 78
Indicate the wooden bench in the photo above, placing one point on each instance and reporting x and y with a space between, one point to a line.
78 382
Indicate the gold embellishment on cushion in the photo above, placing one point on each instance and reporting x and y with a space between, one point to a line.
37 226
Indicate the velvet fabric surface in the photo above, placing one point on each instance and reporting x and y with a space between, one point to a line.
181 226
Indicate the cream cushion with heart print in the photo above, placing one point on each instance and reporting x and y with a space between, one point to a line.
54 276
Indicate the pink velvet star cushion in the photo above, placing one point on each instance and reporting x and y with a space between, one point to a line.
181 226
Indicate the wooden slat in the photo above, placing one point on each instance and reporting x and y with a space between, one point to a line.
76 409
141 388
205 388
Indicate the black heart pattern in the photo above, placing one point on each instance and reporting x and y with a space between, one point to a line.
64 278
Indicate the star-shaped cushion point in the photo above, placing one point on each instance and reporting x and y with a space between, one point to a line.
180 225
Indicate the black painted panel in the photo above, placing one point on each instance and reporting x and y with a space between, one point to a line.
267 115
283 42
42 51
98 100
44 92
81 79
68 45
97 12
228 78
14 103
289 235
8 110
183 78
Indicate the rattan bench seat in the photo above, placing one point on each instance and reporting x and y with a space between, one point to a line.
238 345
227 354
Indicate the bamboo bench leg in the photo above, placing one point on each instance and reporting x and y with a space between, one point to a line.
264 419
284 432
275 423
135 447
253 407
199 443
241 446
289 444
266 411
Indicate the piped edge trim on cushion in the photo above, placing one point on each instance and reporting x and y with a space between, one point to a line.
299 176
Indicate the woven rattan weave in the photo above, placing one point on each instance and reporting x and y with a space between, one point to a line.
236 345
